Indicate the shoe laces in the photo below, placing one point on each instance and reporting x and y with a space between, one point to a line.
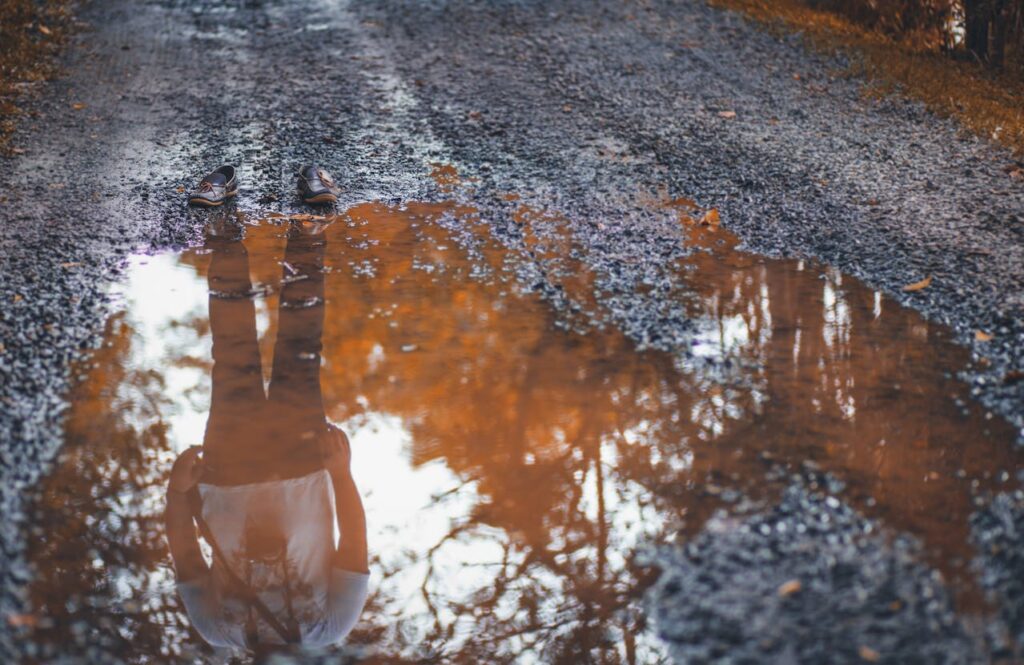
325 178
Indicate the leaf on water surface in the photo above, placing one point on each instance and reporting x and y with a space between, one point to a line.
982 336
727 114
789 588
868 654
710 218
917 286
682 202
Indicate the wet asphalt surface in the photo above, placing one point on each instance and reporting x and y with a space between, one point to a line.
585 108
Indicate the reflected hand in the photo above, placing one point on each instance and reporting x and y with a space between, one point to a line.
336 451
186 470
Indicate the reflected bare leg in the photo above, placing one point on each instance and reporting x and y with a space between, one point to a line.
295 397
232 431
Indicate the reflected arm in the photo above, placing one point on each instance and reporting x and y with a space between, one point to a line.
351 554
181 531
181 534
352 550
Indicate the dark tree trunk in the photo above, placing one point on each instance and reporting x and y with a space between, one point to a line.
997 32
976 20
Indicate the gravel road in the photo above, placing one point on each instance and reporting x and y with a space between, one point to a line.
585 107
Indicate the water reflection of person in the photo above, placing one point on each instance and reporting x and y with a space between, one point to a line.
271 479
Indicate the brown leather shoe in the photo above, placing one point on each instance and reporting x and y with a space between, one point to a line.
215 189
317 186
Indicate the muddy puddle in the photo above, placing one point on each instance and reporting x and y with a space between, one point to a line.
509 469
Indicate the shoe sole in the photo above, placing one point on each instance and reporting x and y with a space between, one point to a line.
210 204
322 198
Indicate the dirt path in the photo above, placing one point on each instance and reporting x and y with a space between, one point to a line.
585 108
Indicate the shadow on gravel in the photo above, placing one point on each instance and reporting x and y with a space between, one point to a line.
513 467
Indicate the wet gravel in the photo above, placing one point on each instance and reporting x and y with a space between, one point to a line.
584 108
998 534
809 580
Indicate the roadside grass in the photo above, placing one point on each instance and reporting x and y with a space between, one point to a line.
987 103
31 34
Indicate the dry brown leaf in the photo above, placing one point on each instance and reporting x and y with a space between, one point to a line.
868 654
917 286
789 588
710 218
727 114
70 264
567 108
78 106
982 336
19 620
1013 376
17 297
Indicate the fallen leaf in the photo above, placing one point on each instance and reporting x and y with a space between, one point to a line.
18 151
868 654
180 189
727 114
78 106
789 588
474 115
43 29
70 264
982 336
567 108
917 286
17 297
19 620
710 218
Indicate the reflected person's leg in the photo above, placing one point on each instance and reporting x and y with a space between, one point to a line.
237 397
296 404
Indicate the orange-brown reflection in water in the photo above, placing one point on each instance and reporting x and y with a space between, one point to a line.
509 468
853 382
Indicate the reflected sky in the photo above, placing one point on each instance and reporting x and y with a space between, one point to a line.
510 468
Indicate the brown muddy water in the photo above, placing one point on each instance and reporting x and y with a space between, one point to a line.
509 469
